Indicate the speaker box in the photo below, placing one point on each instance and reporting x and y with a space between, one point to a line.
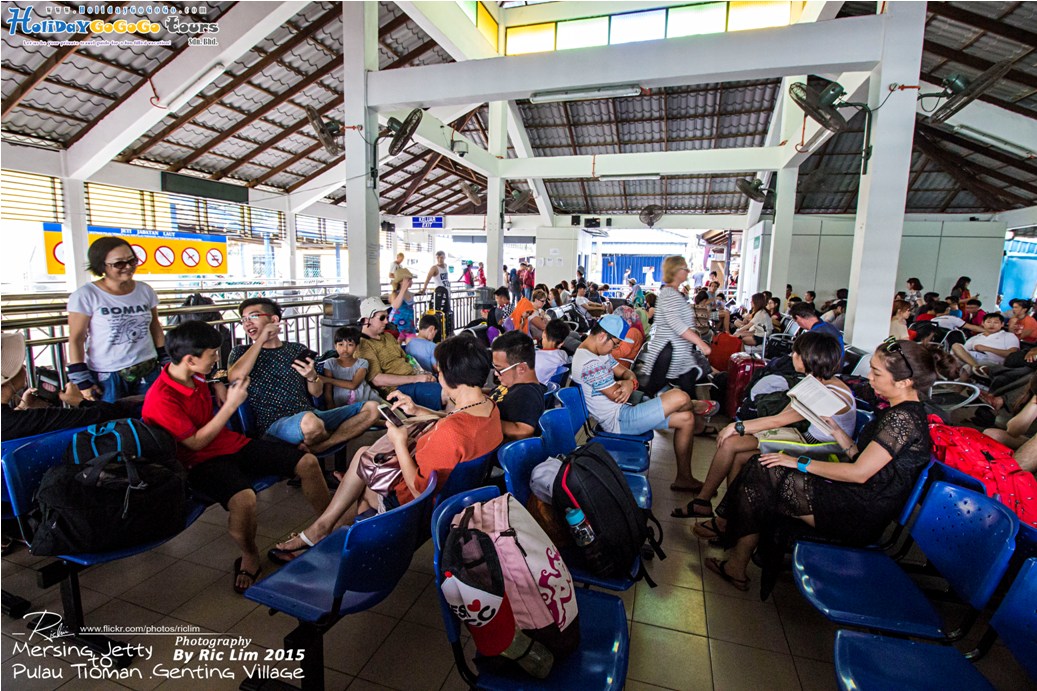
576 220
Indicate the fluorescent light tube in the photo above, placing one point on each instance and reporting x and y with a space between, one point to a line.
993 140
631 177
617 91
182 96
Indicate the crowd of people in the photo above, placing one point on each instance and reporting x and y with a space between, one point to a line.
477 394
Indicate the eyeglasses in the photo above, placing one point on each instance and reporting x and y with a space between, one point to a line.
509 367
891 345
253 317
123 263
381 317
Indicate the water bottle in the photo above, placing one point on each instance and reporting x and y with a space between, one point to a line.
586 540
530 655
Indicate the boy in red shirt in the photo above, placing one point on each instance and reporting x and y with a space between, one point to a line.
220 463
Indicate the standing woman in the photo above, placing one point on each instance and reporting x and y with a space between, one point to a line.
961 289
914 292
402 302
675 324
115 343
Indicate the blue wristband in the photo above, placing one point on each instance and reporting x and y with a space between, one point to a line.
802 463
163 356
80 375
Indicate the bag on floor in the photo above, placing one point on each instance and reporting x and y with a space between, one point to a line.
990 462
133 437
113 501
590 481
740 370
537 583
723 347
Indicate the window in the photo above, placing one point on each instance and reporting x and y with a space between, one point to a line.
710 18
583 33
757 15
638 26
535 38
311 266
486 25
31 197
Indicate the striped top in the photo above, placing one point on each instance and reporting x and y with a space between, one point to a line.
673 316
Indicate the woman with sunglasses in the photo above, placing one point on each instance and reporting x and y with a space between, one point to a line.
849 502
116 343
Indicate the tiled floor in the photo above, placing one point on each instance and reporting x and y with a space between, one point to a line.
691 632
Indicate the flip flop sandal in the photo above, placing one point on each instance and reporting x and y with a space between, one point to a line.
717 567
708 530
711 410
690 512
238 571
283 556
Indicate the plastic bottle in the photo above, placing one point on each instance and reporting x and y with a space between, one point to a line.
586 540
530 655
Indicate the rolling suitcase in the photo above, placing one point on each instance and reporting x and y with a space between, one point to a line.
441 303
740 371
723 347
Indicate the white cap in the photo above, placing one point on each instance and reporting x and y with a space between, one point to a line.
12 353
372 306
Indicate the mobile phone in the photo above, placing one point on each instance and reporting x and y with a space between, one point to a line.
393 417
306 355
48 385
218 377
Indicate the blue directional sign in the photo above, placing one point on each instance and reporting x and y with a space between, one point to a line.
427 222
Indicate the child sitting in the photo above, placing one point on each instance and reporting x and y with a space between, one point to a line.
345 377
551 358
422 346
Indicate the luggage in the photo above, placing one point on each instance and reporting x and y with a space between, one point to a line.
538 585
131 436
740 371
109 502
591 481
723 347
441 324
976 454
441 303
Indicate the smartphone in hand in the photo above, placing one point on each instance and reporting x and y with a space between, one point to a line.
306 355
392 417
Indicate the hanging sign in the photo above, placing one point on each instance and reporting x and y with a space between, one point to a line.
158 252
427 222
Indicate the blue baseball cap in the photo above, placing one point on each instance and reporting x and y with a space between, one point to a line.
614 326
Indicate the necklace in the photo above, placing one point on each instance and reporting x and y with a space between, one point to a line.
466 407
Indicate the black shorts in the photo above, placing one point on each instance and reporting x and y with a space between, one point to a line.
222 477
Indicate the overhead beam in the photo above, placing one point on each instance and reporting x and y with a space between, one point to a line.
988 24
523 147
649 163
241 27
981 149
856 85
851 44
977 63
435 134
966 176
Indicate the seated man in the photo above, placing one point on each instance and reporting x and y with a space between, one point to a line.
1021 323
32 415
973 315
943 318
523 404
422 347
503 309
220 463
389 370
607 386
282 385
807 320
988 348
551 358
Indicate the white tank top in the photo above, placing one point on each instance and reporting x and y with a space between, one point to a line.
441 277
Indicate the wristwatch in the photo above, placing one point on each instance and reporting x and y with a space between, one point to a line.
740 428
802 463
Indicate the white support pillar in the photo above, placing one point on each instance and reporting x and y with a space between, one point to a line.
360 55
498 134
883 191
73 234
293 244
781 234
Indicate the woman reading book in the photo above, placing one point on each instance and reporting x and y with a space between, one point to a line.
814 353
849 502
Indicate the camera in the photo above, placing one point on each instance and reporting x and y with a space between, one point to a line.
48 385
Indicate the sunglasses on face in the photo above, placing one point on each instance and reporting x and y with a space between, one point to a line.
123 263
891 345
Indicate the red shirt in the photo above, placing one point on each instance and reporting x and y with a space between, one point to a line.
182 411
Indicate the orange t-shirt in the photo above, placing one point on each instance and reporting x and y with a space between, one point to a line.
628 351
1025 329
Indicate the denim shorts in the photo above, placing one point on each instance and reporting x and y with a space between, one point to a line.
638 419
289 428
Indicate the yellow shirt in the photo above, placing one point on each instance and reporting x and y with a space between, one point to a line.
384 355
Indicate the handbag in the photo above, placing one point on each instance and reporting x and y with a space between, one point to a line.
790 441
379 467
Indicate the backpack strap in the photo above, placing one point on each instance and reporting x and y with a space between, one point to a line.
136 437
656 543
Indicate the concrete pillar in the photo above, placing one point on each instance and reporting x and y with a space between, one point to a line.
883 191
359 55
498 135
781 235
291 242
74 235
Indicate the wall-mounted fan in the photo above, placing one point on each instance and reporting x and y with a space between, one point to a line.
472 193
823 107
327 131
755 190
651 214
401 132
962 92
518 199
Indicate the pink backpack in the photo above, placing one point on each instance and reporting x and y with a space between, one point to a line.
537 581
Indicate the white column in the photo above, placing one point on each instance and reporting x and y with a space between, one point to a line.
498 134
73 234
292 242
781 235
883 191
359 55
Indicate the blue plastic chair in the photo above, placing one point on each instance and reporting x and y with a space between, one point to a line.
519 458
571 398
466 476
966 536
560 376
942 471
351 570
599 663
863 418
549 395
866 661
559 440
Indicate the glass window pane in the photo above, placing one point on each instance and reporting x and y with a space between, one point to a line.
583 33
469 8
710 18
757 15
535 38
638 26
487 25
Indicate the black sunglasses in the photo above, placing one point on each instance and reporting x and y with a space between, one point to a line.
123 263
891 345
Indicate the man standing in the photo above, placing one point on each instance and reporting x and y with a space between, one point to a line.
515 283
388 367
398 264
482 276
514 362
438 275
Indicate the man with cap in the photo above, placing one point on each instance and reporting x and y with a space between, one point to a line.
607 387
30 415
389 369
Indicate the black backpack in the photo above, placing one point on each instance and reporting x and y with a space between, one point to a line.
133 437
590 480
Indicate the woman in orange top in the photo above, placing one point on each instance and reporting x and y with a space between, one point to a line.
530 312
471 429
626 352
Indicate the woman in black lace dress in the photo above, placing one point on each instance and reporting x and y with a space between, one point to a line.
850 502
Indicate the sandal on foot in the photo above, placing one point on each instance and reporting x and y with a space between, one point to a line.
708 530
712 408
694 487
280 555
692 510
253 576
717 567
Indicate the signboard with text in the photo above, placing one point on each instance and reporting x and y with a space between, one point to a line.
427 222
158 251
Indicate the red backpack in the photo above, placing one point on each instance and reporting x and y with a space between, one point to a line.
990 462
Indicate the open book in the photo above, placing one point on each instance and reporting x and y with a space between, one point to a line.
813 400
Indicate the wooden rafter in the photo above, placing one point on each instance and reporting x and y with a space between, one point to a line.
977 21
963 174
419 178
